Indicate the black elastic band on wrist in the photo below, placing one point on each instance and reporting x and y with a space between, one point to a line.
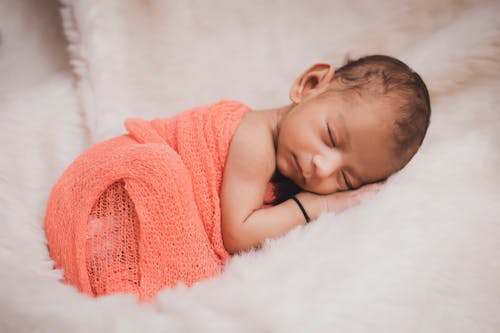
302 209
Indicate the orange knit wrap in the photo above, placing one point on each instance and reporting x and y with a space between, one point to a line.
141 211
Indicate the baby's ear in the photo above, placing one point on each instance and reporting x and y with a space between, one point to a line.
312 82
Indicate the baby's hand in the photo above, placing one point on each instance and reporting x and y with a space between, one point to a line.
340 201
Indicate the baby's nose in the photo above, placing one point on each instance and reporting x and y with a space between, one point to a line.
326 164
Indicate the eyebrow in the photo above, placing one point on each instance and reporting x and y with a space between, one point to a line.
346 142
347 137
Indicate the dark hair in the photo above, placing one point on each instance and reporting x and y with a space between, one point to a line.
394 77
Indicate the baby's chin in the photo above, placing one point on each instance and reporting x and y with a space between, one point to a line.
317 188
283 171
289 174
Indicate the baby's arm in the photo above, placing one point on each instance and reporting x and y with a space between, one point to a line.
240 233
249 167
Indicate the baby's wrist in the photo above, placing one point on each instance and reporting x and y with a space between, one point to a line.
312 203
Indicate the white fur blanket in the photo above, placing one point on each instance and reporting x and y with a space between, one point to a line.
422 256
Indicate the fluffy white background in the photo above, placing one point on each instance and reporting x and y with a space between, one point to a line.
422 256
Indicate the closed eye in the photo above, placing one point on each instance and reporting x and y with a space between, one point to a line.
330 135
349 186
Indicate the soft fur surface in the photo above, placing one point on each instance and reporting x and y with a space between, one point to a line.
422 256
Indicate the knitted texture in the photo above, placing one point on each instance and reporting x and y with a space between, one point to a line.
141 211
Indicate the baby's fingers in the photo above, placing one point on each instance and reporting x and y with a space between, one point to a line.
369 190
372 187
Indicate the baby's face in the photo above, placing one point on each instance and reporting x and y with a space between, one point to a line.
338 142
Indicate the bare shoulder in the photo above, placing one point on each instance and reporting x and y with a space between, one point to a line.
249 167
251 153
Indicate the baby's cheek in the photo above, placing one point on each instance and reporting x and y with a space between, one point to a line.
282 166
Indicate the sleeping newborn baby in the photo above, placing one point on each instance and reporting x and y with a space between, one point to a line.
169 201
345 128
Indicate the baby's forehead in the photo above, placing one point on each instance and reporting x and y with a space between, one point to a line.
368 126
375 106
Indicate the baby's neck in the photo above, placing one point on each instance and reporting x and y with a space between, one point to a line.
273 118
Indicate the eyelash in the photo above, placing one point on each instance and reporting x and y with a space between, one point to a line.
330 138
349 187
